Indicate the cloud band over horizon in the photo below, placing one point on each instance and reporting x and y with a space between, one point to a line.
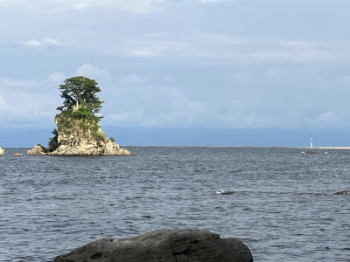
172 64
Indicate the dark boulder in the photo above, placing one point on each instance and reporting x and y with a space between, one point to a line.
163 246
310 152
343 192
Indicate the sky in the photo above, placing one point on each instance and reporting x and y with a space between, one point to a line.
181 72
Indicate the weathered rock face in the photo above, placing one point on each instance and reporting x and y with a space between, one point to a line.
163 246
78 141
38 150
2 151
104 148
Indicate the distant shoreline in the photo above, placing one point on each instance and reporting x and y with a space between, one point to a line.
328 147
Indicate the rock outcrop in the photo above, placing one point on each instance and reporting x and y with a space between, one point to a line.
2 151
78 140
17 154
38 150
78 131
163 246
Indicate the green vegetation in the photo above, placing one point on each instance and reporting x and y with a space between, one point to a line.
80 108
78 91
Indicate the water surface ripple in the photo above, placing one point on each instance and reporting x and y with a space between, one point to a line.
283 207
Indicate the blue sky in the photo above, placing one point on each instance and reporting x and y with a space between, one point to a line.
186 72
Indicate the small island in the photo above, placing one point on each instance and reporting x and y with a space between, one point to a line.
78 131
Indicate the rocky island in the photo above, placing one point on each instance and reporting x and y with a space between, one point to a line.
78 131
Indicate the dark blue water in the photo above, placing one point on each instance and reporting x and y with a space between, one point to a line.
284 207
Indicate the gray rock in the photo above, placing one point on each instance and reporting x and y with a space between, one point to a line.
37 150
310 152
343 192
163 246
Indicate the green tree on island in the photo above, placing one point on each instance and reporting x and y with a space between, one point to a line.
78 131
80 90
80 104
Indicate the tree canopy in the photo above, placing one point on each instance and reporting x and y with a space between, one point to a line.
80 91
80 105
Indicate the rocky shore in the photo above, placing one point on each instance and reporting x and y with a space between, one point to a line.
163 246
77 141
2 151
107 149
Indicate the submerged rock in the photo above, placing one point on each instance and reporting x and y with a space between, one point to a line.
163 246
223 192
343 192
310 152
17 154
2 151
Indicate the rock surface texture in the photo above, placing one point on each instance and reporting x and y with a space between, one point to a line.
38 150
2 151
163 246
75 141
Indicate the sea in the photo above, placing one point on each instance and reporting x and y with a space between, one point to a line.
283 206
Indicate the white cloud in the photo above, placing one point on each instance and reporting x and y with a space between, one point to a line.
135 6
27 103
232 49
215 1
46 42
325 117
8 2
50 42
155 107
16 83
3 104
90 71
56 77
134 78
144 53
31 43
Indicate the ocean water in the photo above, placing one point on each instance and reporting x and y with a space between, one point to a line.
283 207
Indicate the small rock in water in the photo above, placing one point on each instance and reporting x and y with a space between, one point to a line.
309 152
222 192
17 154
343 192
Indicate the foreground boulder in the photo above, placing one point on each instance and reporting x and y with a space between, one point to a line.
2 151
163 246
